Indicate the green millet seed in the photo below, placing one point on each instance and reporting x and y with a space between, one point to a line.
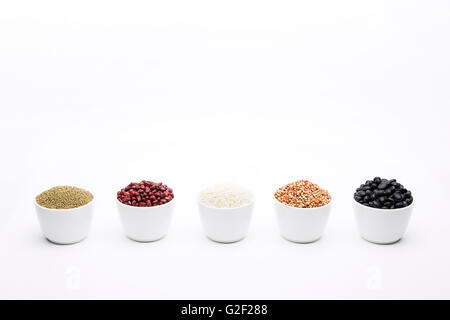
64 197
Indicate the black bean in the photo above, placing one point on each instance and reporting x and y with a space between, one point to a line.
397 196
379 193
383 193
399 204
383 185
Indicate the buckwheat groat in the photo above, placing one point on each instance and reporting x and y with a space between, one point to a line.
303 194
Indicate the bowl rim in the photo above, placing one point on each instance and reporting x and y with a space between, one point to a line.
68 210
305 209
144 208
379 210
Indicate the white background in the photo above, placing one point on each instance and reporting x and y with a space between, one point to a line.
97 94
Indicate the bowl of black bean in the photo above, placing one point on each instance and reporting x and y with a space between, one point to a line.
382 209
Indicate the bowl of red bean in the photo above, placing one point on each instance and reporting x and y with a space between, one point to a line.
145 210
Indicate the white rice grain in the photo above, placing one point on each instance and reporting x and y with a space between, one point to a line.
226 196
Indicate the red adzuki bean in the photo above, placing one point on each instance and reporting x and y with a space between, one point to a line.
145 194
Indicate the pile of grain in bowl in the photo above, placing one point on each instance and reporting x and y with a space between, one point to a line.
145 194
64 197
303 194
226 196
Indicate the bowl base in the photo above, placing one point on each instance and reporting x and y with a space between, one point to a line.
382 243
225 242
301 242
64 243
146 241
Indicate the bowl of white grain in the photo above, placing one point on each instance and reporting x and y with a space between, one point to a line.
225 211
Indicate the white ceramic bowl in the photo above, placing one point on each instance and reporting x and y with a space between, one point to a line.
146 224
65 226
226 225
381 226
302 225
